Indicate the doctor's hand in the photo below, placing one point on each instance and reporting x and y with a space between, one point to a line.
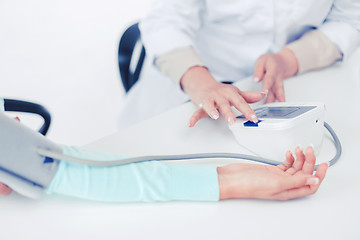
213 97
272 69
292 179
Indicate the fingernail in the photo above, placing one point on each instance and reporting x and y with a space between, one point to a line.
254 118
328 163
312 181
290 152
265 92
214 115
230 120
300 147
312 146
256 79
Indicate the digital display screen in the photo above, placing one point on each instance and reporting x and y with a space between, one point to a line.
276 112
281 112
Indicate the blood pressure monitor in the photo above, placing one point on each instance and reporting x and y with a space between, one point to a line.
281 127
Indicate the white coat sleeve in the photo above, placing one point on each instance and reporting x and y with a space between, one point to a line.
342 25
169 25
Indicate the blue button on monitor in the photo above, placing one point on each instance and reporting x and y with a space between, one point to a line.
252 124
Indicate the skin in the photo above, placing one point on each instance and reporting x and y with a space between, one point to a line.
292 179
214 98
4 189
272 69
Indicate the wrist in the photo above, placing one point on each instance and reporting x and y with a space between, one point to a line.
223 184
290 62
196 77
227 188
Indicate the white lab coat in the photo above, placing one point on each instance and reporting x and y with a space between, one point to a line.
230 35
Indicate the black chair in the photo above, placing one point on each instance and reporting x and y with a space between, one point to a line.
127 55
13 105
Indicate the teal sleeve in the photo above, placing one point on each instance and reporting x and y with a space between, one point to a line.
136 182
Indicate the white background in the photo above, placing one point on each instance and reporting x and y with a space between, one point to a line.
63 55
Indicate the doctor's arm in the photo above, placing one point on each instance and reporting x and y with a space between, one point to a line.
313 50
168 33
333 41
185 67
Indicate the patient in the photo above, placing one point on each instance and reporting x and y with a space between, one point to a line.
163 181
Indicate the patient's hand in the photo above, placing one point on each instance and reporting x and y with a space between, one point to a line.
292 179
4 189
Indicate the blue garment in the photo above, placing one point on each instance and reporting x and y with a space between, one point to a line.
136 182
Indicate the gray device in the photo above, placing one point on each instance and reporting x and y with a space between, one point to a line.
21 168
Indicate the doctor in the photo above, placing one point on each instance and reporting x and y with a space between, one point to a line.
198 44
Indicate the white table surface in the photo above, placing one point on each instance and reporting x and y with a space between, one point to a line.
332 213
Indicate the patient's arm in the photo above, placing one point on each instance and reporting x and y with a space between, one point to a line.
163 181
293 179
158 181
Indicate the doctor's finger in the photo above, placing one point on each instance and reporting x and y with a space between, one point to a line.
225 109
279 89
252 97
270 97
240 104
197 115
210 109
259 70
269 79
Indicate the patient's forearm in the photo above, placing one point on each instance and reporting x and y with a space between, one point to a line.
136 182
163 181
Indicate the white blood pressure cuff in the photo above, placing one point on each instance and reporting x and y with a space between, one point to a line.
21 168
